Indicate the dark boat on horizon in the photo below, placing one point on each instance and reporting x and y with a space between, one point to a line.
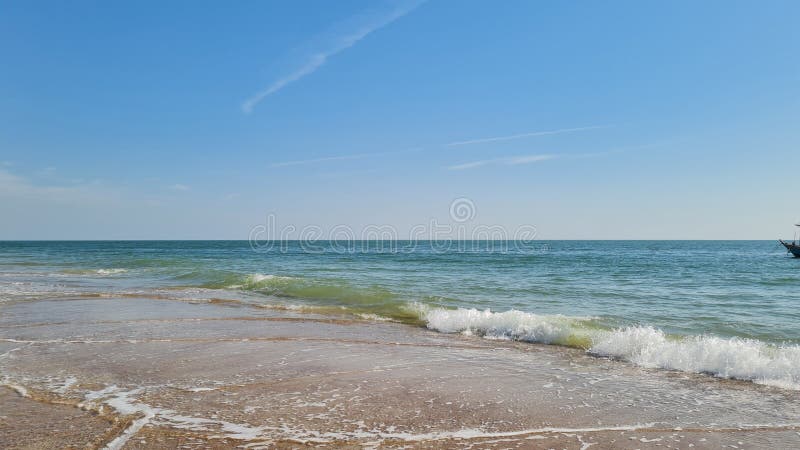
791 247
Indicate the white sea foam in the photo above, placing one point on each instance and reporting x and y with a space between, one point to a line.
126 403
110 271
200 389
257 280
63 386
374 317
23 290
17 388
86 272
259 277
513 325
743 359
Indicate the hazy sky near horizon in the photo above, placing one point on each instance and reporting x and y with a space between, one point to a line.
195 120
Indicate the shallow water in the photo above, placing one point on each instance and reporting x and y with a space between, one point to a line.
137 372
723 308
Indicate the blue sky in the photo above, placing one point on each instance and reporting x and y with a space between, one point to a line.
623 120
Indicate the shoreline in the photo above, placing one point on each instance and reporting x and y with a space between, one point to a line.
168 372
725 357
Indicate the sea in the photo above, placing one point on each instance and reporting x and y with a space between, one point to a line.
728 309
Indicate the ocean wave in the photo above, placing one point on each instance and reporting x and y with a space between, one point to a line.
743 359
724 357
110 271
232 280
339 291
259 280
102 272
511 325
735 358
374 317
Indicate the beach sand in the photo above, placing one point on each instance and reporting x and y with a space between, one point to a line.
154 373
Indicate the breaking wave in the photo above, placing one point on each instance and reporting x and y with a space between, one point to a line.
329 295
309 289
649 347
102 272
735 358
510 325
743 359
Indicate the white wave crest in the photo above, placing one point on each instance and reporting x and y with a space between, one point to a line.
374 317
513 325
736 358
256 280
110 271
259 277
744 359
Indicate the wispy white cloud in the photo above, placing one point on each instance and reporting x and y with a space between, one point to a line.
507 161
179 187
530 159
472 164
314 63
524 135
339 44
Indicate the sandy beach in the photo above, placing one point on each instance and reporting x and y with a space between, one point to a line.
153 373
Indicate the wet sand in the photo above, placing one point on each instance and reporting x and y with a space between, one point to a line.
154 373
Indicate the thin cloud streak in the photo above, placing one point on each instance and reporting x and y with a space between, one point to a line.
524 135
319 59
313 64
530 159
470 165
508 161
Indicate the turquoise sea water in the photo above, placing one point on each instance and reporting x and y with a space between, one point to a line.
730 309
